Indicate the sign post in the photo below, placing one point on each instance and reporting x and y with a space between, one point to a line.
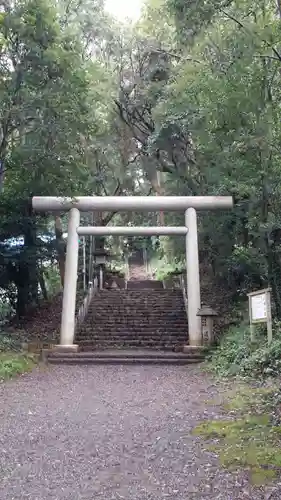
260 311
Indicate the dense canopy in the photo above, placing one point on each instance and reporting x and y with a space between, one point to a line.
185 102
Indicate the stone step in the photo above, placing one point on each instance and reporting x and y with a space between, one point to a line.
97 331
144 285
136 319
127 295
157 305
123 319
138 327
170 308
130 343
122 299
120 347
121 337
140 311
134 335
160 292
121 361
175 314
148 292
133 330
124 357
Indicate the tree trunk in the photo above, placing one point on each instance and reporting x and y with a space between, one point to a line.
274 276
22 284
155 180
43 285
271 254
61 247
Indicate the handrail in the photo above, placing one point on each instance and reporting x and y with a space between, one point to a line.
84 308
127 268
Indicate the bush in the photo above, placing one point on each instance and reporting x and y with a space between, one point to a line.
164 269
234 349
237 355
264 361
11 340
5 311
12 364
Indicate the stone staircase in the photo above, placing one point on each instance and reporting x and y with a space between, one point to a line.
140 318
142 324
138 270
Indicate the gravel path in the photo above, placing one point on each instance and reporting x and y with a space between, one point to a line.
111 432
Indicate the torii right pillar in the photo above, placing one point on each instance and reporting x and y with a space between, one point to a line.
193 279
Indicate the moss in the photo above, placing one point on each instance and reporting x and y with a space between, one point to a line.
261 476
12 364
251 441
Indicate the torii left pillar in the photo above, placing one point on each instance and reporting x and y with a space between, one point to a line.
69 293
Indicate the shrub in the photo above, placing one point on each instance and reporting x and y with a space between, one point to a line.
7 343
12 364
237 355
235 347
264 361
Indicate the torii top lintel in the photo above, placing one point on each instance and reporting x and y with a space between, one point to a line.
130 203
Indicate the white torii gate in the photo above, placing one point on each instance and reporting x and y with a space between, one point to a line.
189 204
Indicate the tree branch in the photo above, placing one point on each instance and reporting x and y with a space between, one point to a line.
176 56
229 16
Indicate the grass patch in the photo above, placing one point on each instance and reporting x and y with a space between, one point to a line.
13 363
251 437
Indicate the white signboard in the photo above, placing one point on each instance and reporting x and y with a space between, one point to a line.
260 311
259 307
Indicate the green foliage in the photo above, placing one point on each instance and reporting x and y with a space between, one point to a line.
250 439
193 15
5 311
237 355
54 105
235 347
225 95
7 343
12 364
163 269
264 361
52 280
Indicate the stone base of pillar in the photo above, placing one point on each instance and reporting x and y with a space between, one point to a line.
65 348
193 348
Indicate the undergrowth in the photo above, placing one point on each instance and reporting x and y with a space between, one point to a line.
237 355
12 363
250 437
12 360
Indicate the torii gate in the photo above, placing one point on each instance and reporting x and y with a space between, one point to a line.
189 204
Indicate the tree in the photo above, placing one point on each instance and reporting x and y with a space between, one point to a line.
231 99
47 121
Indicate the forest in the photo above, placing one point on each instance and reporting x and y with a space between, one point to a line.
184 102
